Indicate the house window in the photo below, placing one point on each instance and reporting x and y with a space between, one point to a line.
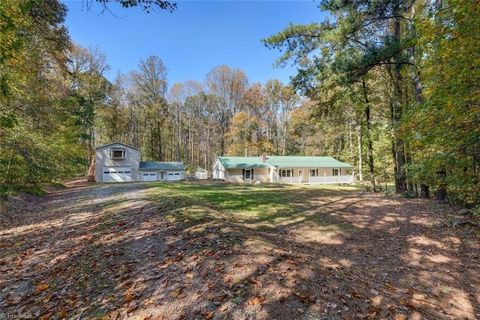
314 173
336 172
285 173
117 153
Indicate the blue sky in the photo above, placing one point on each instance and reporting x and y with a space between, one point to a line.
196 37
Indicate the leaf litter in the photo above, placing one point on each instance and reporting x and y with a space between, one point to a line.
158 260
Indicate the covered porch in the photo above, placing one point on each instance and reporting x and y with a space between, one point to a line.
313 175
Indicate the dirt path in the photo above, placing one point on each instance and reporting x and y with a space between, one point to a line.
116 251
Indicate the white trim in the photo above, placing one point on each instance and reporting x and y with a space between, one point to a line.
113 143
218 170
112 150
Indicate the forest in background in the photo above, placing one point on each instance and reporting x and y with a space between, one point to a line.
390 86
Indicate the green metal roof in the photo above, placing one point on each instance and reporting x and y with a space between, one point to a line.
306 162
242 162
282 162
156 165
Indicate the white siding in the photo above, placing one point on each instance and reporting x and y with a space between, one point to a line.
102 160
218 172
259 175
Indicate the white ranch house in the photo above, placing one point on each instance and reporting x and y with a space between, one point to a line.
283 169
118 162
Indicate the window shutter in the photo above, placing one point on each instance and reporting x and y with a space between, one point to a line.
243 173
251 176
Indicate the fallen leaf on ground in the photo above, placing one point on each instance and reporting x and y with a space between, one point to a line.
256 301
41 287
129 296
175 293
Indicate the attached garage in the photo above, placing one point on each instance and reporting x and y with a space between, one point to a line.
174 175
162 171
149 176
117 174
118 162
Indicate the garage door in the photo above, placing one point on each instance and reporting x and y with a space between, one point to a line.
174 175
149 176
117 174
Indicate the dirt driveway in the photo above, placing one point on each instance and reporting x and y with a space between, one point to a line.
186 251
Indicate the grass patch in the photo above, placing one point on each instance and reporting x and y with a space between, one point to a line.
267 204
248 200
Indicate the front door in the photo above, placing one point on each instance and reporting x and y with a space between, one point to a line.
300 176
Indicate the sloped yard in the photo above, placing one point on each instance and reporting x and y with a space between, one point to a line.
220 251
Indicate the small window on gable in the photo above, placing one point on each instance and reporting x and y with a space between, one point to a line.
117 153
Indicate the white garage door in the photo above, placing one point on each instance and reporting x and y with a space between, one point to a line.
117 174
149 176
174 175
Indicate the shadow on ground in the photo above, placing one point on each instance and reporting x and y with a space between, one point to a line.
217 251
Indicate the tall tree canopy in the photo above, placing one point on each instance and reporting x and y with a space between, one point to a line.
390 86
403 60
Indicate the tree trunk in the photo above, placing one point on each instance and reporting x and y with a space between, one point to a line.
91 171
179 134
371 164
160 141
350 140
418 91
400 179
408 160
207 153
360 158
284 142
424 191
441 193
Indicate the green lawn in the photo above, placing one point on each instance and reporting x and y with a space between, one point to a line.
264 204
